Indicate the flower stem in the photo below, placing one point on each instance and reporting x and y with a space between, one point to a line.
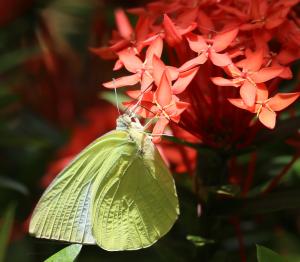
276 180
237 226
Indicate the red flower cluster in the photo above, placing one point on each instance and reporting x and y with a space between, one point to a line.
219 54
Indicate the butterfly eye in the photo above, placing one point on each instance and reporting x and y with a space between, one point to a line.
141 152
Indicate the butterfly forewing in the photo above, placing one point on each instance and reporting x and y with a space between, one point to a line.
118 193
64 210
136 203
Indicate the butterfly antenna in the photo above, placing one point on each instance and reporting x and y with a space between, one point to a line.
116 96
138 99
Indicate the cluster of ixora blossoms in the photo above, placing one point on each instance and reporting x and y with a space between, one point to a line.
199 62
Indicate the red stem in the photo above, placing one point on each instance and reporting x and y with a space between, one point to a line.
276 180
237 226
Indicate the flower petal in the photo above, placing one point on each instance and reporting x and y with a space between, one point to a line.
118 65
123 81
205 24
188 29
253 61
155 48
159 129
123 24
220 81
146 82
172 35
286 73
175 111
267 118
233 71
163 93
142 28
197 43
248 93
198 60
238 103
262 93
282 100
131 62
120 45
219 59
234 11
276 18
158 69
265 74
223 40
184 80
173 72
103 52
286 56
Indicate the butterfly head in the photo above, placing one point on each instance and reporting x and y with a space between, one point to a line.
126 122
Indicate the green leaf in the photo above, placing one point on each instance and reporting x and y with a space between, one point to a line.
10 60
199 241
267 255
115 99
68 254
6 182
5 229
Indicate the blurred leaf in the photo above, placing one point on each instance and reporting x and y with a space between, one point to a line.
267 255
272 202
199 241
6 96
289 243
68 254
5 229
283 130
115 99
6 182
13 59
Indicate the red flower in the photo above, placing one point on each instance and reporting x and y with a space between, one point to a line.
249 77
226 34
174 33
142 71
125 37
265 107
210 48
260 14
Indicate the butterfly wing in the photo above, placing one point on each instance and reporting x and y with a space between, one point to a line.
63 212
135 203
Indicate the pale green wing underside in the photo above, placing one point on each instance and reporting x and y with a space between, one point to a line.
64 210
135 202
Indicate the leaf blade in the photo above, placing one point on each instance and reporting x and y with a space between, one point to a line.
265 255
67 254
5 229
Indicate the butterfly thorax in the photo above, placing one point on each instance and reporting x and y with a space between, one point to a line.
137 135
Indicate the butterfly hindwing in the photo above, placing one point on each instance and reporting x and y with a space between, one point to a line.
63 212
135 203
118 193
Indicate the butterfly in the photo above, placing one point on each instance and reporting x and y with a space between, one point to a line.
117 193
